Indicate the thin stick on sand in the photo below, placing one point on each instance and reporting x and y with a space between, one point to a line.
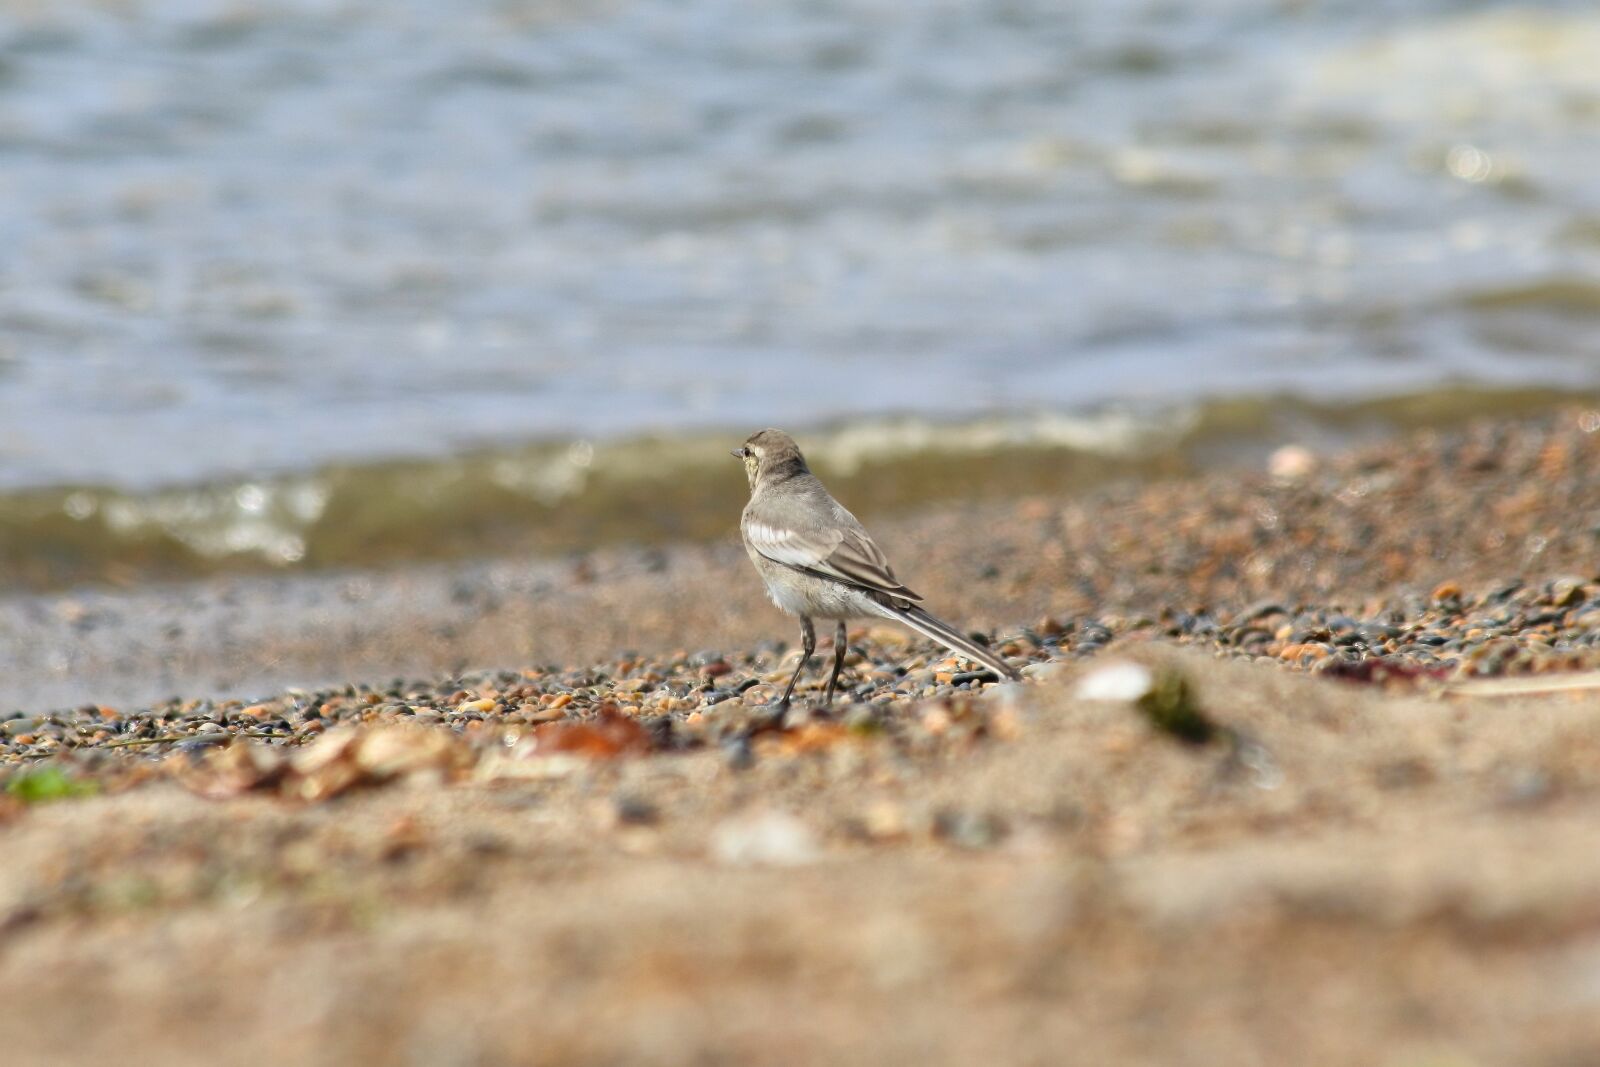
1505 687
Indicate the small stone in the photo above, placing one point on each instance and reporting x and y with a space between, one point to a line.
757 695
885 821
631 810
1046 672
969 829
772 839
200 742
738 752
1567 592
1120 682
536 713
1292 463
1527 788
1261 609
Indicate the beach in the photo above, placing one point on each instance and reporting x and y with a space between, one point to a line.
383 678
529 811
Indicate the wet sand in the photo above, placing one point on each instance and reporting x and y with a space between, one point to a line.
582 854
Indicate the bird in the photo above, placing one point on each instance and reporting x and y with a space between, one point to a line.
818 562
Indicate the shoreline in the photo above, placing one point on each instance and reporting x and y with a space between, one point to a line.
552 498
1359 533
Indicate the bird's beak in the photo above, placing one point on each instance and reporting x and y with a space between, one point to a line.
737 453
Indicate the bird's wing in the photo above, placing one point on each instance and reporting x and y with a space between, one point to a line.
857 559
842 554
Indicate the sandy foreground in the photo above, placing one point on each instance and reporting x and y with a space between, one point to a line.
1385 853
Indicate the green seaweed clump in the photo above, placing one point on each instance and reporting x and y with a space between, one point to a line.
1171 706
47 784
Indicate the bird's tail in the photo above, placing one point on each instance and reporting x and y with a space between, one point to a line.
948 636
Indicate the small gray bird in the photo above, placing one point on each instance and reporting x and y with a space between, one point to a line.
818 562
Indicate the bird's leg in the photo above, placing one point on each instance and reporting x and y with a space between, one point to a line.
808 645
839 638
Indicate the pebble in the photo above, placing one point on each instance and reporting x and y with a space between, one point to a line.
1116 682
758 695
969 829
631 810
772 839
1292 463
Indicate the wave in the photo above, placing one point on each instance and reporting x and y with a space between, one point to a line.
559 497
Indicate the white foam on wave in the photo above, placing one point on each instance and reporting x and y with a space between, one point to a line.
1108 433
1518 65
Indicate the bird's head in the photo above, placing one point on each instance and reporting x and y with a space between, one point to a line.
770 453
